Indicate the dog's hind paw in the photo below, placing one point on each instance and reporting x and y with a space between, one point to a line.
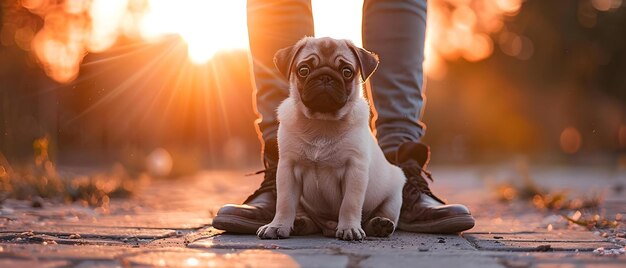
270 231
350 233
303 225
379 227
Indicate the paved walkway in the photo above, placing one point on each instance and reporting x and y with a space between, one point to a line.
168 224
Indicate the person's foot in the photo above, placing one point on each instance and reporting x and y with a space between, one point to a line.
256 211
259 208
422 211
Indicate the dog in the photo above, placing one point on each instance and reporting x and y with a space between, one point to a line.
330 165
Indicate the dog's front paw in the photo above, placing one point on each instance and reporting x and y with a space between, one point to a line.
350 232
273 231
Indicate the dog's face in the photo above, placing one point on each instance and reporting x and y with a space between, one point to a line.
324 74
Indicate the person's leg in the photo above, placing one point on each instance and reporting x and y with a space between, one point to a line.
272 25
395 30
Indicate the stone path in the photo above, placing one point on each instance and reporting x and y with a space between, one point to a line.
169 224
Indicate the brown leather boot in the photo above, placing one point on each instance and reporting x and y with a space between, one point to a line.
422 211
259 208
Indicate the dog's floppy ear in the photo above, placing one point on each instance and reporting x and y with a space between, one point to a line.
368 61
283 59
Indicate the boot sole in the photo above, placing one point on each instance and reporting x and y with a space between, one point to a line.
237 224
449 225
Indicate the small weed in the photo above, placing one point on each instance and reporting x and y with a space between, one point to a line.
592 222
529 191
580 211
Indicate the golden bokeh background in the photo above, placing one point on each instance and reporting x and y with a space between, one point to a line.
121 80
73 28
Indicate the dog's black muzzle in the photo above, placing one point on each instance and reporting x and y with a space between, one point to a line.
324 92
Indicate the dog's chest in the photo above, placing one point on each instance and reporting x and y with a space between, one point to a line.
322 189
320 152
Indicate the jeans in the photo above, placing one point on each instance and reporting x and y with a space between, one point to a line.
393 29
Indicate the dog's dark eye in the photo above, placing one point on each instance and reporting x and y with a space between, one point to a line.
347 73
303 71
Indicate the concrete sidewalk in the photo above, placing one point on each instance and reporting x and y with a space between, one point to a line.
168 224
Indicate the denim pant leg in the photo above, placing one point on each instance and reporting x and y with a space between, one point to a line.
272 25
395 30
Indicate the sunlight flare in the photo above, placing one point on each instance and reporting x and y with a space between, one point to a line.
206 26
338 19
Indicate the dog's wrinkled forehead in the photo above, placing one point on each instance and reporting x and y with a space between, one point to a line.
326 51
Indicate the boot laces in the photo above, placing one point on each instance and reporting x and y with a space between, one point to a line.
416 184
268 184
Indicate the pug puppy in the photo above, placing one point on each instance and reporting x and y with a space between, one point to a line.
329 161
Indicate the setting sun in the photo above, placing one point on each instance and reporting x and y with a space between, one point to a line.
206 26
211 26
